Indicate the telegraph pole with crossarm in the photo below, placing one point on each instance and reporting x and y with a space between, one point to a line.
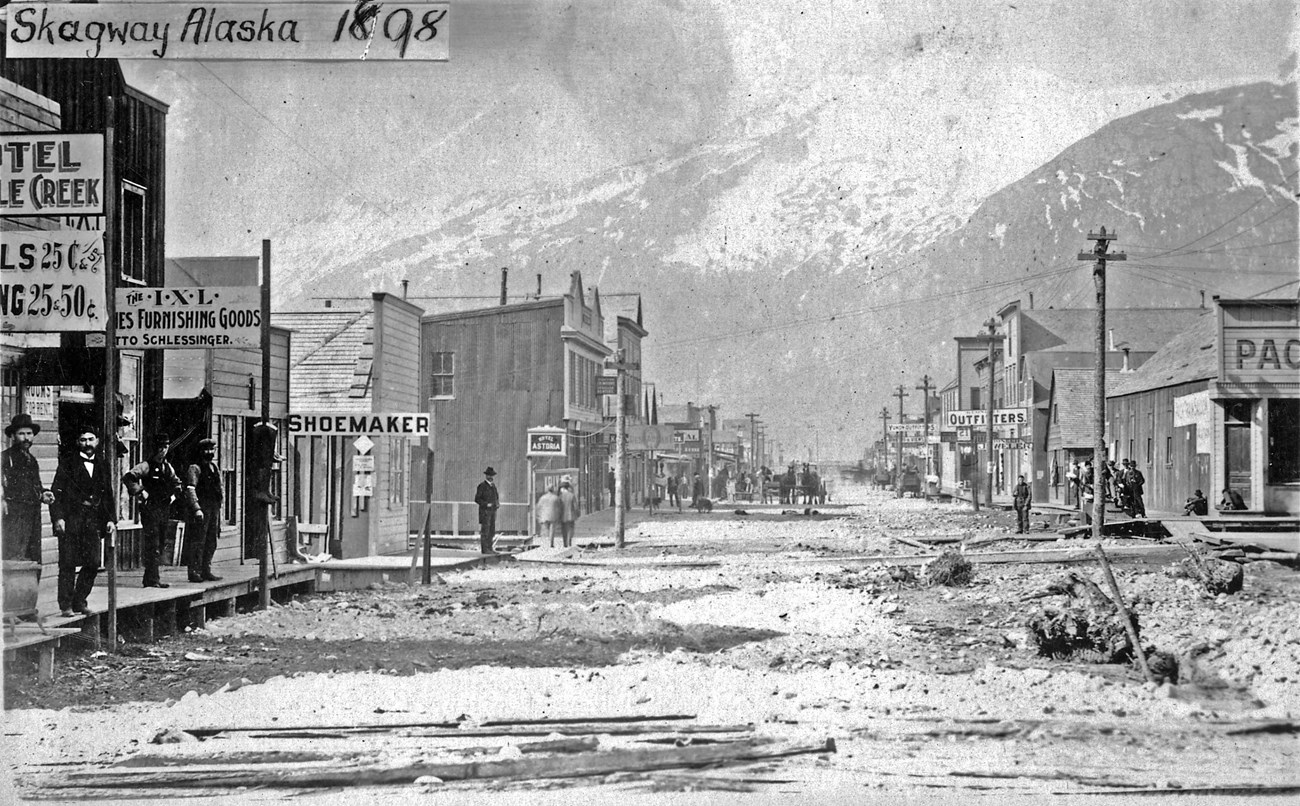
898 479
925 388
1101 256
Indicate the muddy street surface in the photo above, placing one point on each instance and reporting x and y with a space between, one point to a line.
708 634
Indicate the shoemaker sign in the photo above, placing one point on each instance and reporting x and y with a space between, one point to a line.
404 424
189 318
51 281
327 31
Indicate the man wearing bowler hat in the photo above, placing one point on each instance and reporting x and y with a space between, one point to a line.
156 485
23 493
83 514
488 499
203 493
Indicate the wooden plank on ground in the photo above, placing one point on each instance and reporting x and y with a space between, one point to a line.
585 764
598 721
1158 552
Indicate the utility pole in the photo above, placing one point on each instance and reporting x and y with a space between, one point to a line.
1101 256
925 388
992 325
884 434
753 444
108 446
620 449
898 476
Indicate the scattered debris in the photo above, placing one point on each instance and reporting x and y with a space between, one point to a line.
1088 628
951 568
1218 576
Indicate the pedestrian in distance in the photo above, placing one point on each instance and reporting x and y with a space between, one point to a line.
674 497
1231 500
20 529
203 493
83 514
548 513
1197 505
1020 499
155 484
488 499
568 513
698 493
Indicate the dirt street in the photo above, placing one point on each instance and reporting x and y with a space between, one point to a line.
929 693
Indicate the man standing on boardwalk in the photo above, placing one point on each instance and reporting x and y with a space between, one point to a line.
156 485
203 493
23 493
488 499
84 512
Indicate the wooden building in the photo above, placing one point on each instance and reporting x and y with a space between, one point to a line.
359 361
1071 428
1218 407
216 393
489 375
59 378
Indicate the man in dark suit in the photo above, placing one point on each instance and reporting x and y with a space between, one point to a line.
83 513
203 493
488 499
156 485
23 493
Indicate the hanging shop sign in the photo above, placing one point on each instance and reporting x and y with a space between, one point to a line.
189 318
978 418
686 435
405 424
51 281
51 174
544 442
649 437
332 31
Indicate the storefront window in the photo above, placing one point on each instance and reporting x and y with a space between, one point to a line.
1283 441
227 455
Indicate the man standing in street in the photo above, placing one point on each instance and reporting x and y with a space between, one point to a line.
83 513
156 485
23 493
488 499
568 513
203 493
1020 500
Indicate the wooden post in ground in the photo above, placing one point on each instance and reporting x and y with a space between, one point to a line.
109 442
1124 614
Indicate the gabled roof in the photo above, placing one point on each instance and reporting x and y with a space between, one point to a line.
330 359
1189 356
1074 329
1076 411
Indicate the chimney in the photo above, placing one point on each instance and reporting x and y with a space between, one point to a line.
329 303
1110 337
1202 299
504 272
405 284
1126 367
539 286
1031 300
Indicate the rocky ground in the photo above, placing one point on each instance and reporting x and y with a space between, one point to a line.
929 692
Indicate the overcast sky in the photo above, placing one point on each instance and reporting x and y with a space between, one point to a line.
542 92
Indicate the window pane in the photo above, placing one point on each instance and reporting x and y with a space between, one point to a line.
1283 441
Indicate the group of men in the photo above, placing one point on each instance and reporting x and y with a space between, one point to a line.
83 508
1121 483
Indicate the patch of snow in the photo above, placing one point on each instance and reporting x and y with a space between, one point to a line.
1118 184
1142 221
1203 114
1000 232
1240 172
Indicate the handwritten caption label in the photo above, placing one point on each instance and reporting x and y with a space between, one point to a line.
51 281
373 31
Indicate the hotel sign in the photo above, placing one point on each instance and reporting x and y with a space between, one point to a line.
51 174
51 281
544 442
